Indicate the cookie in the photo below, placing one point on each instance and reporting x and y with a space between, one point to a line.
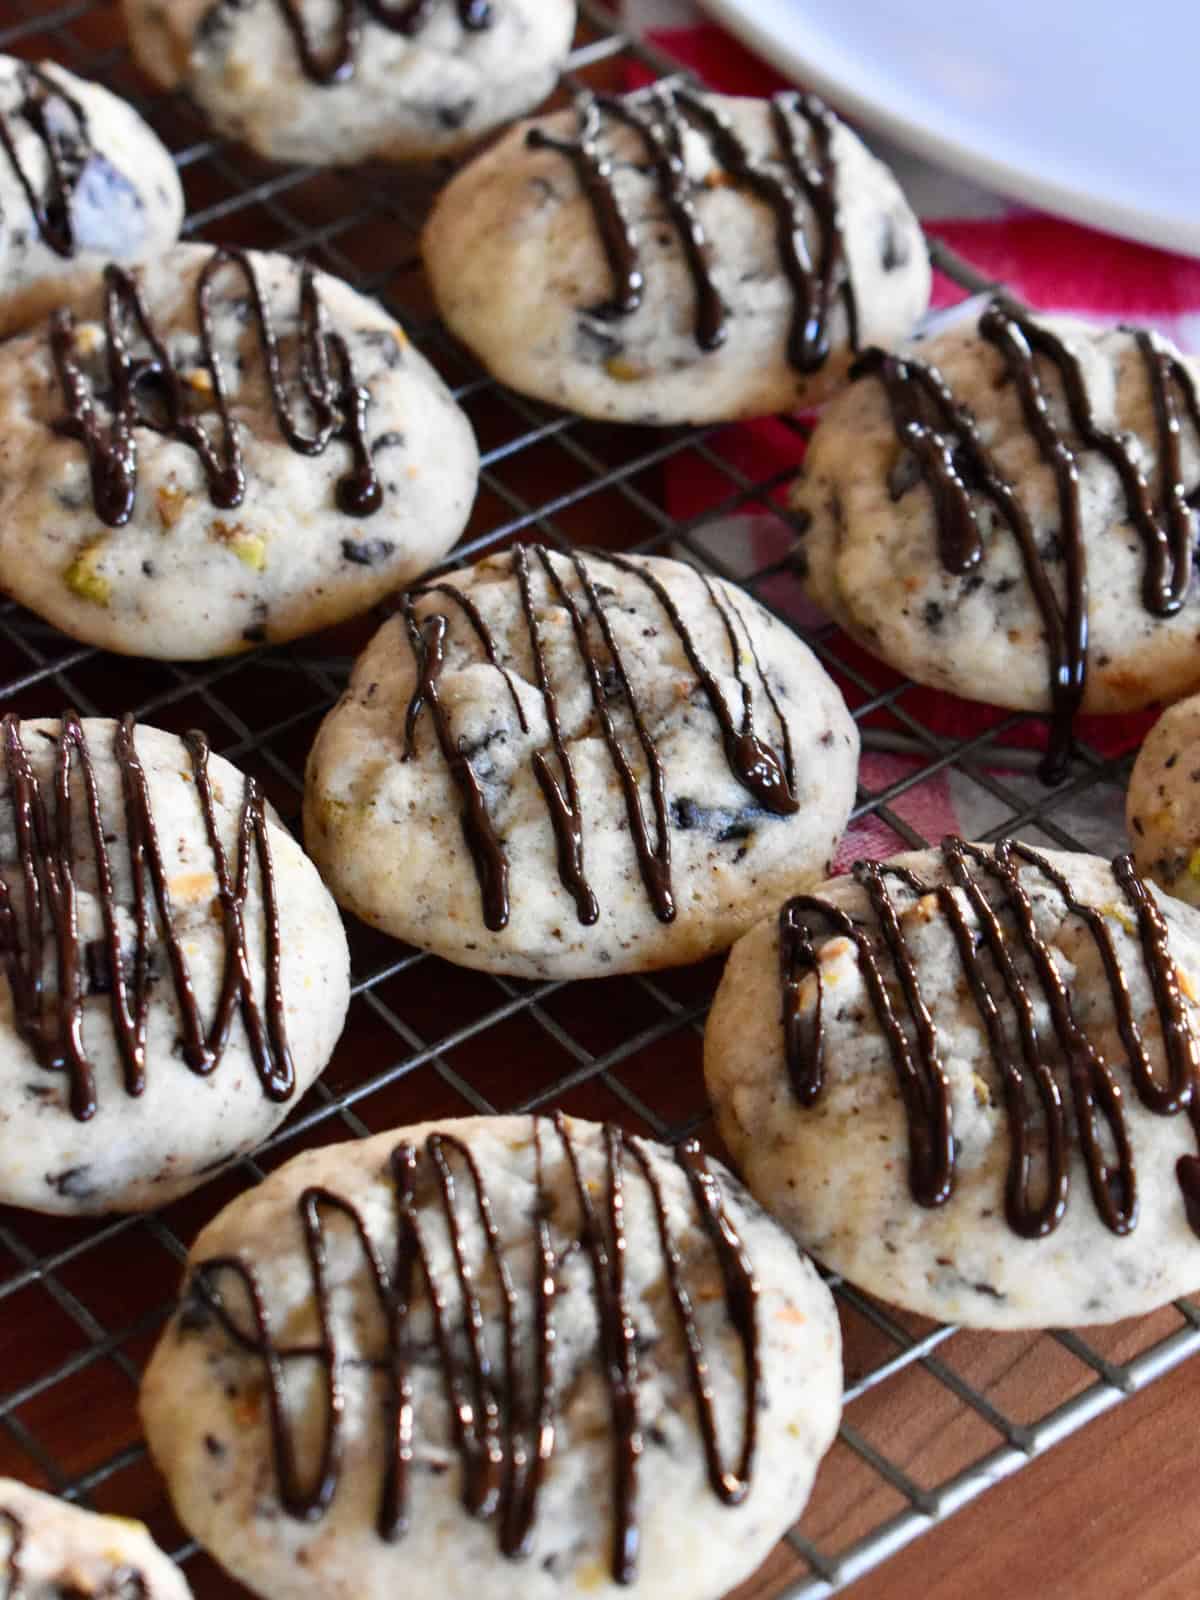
49 1549
1162 810
339 82
173 975
676 256
1003 512
963 1079
218 449
501 1354
569 766
83 181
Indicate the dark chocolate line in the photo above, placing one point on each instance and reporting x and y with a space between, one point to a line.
407 17
67 154
51 1023
503 1415
660 118
338 403
1006 932
764 773
955 464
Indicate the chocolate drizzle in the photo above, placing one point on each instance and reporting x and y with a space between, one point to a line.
947 445
60 122
122 1583
503 1414
1011 974
151 392
661 117
766 774
407 17
40 912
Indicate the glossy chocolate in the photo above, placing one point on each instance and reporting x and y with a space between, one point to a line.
807 185
39 914
151 392
766 774
1059 1088
503 1414
407 17
60 123
945 440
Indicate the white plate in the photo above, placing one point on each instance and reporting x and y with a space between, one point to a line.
1087 107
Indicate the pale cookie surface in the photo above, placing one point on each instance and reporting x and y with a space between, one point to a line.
1162 810
675 256
83 181
49 1549
946 533
315 460
575 766
609 1452
339 81
188 980
980 1202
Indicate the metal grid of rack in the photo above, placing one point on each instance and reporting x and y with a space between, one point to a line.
934 1416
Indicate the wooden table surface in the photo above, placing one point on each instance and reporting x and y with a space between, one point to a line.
1107 1514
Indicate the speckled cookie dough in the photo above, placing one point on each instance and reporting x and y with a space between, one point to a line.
83 181
960 554
1162 810
934 1208
607 1469
584 265
338 81
575 766
49 1549
134 1063
193 539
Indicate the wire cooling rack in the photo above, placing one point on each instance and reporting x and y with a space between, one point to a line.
934 1416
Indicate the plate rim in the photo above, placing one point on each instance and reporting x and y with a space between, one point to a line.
1177 236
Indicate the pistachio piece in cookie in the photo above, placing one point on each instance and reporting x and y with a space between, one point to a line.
221 448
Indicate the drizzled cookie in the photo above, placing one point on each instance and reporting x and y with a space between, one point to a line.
83 181
339 81
1162 810
175 975
966 1079
50 1550
219 449
1008 512
672 255
578 765
502 1353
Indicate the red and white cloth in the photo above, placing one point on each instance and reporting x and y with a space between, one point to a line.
1054 265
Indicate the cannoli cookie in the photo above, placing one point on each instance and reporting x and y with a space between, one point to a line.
1162 809
963 1078
337 81
676 256
49 1549
173 974
500 1353
218 449
575 765
1004 511
83 181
